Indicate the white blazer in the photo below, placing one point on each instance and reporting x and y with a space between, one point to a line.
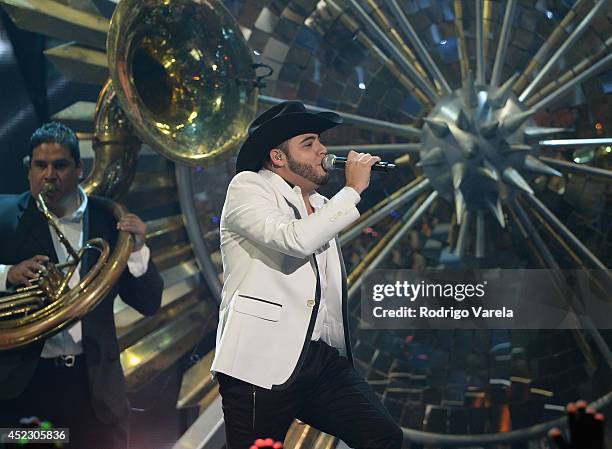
271 292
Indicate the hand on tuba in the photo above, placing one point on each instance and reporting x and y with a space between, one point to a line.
27 270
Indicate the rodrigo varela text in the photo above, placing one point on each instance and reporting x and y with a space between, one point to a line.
440 291
442 312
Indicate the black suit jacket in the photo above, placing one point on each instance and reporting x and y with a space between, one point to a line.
24 232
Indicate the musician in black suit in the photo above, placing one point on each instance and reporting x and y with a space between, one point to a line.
73 379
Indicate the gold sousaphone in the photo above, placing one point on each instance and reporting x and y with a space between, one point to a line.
182 81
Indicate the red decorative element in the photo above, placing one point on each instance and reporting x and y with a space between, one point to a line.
267 443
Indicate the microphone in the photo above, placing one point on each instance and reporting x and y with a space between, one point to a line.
333 162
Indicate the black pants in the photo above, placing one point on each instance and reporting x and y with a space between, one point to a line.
327 394
60 394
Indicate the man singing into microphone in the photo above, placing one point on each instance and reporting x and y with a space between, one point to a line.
283 348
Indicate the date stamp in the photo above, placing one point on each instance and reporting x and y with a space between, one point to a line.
30 435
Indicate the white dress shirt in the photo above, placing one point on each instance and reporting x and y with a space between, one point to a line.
322 255
68 342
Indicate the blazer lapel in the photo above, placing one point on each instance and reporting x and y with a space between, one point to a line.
347 334
284 188
343 271
86 261
33 226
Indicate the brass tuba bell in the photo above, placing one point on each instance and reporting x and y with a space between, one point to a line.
184 77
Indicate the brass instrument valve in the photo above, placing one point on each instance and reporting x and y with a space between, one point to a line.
50 281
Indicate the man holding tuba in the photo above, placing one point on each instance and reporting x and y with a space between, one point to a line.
73 379
283 348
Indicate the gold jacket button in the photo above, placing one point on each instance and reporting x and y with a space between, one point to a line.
310 303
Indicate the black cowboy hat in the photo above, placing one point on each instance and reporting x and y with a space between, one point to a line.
279 123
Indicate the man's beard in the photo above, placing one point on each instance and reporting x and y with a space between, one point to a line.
306 171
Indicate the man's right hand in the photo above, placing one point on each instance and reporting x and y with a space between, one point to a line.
358 170
586 428
26 270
